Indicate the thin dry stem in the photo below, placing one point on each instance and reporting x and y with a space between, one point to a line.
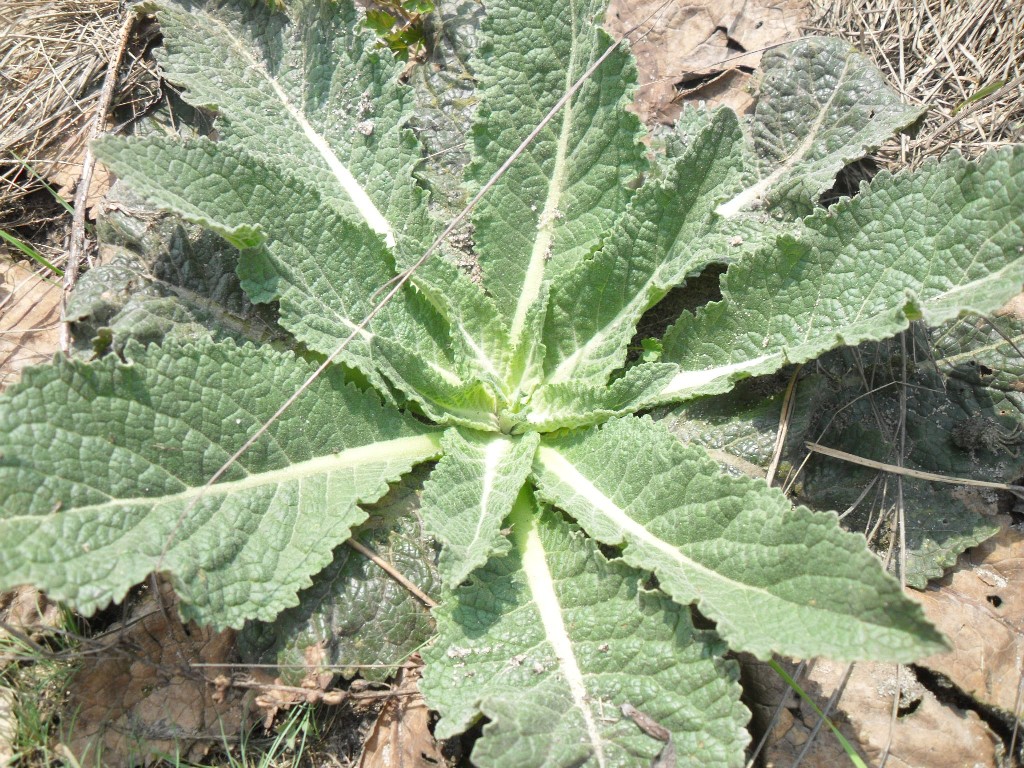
53 57
97 126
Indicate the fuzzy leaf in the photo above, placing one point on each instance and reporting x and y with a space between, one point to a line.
107 459
355 613
669 232
927 245
576 404
775 579
162 279
470 493
550 642
323 275
284 92
558 199
821 105
284 87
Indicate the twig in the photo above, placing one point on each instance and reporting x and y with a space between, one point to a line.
392 572
785 416
896 470
77 249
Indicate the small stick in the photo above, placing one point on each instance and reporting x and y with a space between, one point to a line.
896 470
77 249
785 416
392 572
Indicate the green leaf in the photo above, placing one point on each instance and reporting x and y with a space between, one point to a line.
478 340
985 352
285 89
232 193
550 642
446 397
162 279
931 409
573 404
152 432
739 429
775 579
933 244
470 493
821 105
355 613
276 166
669 232
557 200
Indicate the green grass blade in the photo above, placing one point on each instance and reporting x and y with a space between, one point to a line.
31 252
851 753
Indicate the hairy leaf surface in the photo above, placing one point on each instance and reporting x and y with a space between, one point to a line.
512 357
728 545
926 245
470 493
550 642
821 106
355 615
107 459
668 233
556 202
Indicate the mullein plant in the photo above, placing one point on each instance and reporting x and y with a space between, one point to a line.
576 534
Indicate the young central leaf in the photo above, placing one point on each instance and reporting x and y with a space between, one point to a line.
558 200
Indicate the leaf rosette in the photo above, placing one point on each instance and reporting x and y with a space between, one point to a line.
522 386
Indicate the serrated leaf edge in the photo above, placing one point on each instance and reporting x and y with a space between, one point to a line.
549 608
359 197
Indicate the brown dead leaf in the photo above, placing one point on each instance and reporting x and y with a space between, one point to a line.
691 45
925 736
141 697
979 605
29 319
274 696
1013 308
27 609
66 174
401 737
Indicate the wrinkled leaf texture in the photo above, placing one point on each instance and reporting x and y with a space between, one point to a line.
524 390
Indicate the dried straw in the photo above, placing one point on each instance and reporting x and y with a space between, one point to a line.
53 54
940 54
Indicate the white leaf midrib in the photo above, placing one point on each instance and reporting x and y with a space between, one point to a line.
549 607
388 452
346 181
691 380
567 473
494 453
544 240
731 208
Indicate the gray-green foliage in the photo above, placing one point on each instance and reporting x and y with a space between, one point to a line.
523 388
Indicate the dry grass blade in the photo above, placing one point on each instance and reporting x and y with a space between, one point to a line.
941 55
900 470
53 55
